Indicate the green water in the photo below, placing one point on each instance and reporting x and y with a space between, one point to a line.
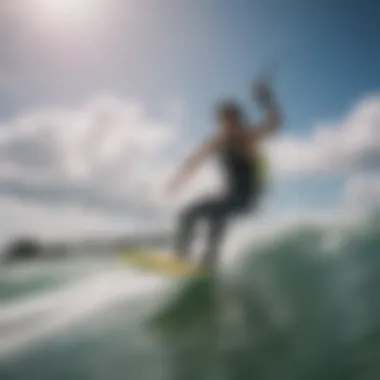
303 304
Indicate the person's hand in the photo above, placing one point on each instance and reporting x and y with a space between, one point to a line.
263 93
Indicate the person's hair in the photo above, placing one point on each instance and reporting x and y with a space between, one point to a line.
229 108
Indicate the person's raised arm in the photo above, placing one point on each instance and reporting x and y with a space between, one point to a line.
192 163
272 118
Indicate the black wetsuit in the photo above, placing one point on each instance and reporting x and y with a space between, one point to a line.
243 186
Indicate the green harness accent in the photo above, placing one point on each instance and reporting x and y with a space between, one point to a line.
262 168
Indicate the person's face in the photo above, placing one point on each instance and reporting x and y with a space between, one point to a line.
229 124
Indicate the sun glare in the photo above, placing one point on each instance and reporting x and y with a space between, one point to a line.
66 9
65 6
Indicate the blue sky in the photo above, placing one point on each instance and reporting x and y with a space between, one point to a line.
327 53
192 53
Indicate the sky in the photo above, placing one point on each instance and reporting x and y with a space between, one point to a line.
100 99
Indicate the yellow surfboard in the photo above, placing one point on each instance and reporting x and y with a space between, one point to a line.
160 262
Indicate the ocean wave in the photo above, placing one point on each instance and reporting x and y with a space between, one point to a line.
301 304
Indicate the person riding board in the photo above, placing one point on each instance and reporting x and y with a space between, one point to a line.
238 145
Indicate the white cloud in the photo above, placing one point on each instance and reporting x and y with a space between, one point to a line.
363 192
107 150
351 144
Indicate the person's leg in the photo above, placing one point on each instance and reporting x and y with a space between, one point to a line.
219 214
217 229
187 221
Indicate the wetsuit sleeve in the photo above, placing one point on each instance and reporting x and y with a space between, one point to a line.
204 151
194 161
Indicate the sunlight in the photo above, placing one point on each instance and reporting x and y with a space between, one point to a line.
67 18
68 11
65 7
